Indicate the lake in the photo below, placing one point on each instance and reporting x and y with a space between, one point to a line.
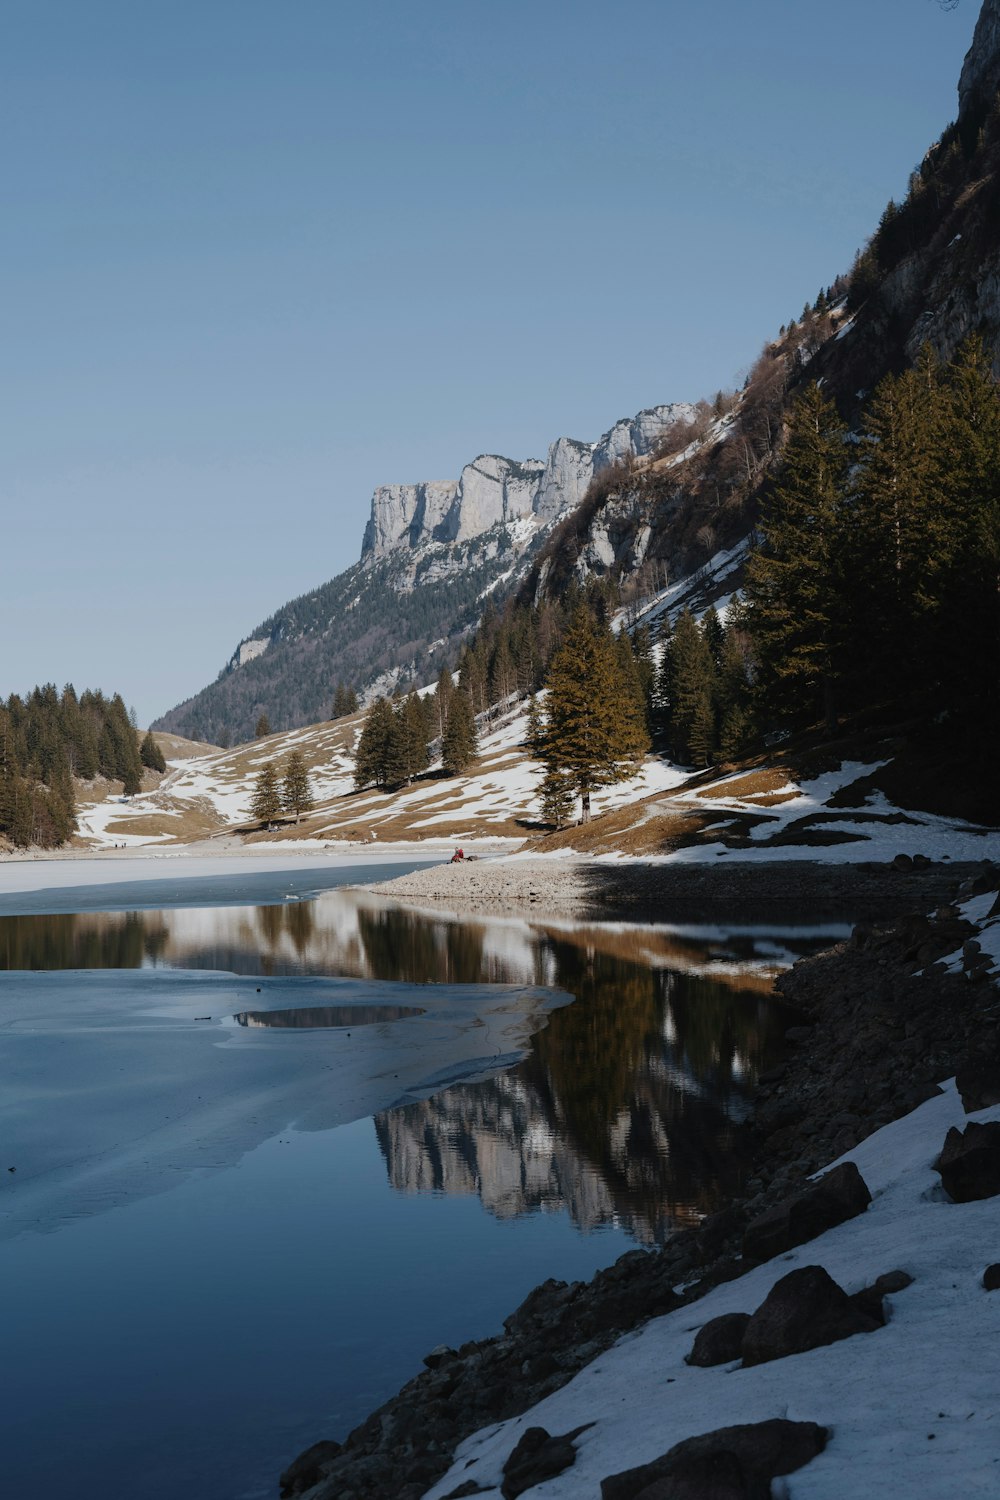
272 1143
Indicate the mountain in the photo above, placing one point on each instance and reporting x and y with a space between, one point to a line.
432 552
929 274
657 499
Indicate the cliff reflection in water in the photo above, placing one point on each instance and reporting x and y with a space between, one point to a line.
627 1110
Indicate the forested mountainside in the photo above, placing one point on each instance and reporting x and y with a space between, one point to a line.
930 274
432 554
654 499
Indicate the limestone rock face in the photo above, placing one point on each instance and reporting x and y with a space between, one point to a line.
981 72
403 512
493 490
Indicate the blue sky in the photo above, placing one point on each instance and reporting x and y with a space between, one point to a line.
256 258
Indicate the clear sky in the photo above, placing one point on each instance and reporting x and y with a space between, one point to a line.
259 256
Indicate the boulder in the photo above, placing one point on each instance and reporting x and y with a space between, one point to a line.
719 1341
969 1163
869 1299
717 1476
991 1278
804 1310
308 1469
759 1452
537 1456
840 1195
978 1082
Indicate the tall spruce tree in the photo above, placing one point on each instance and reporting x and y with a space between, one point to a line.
265 802
593 732
150 753
896 527
373 754
459 746
793 594
296 789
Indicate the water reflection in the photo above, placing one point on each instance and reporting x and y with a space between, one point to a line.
321 1017
628 1109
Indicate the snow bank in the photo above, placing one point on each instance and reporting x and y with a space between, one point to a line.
914 1408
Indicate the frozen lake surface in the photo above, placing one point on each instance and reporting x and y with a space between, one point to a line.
225 1240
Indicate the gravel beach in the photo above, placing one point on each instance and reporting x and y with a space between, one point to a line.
586 890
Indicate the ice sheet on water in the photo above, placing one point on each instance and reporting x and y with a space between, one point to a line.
120 1083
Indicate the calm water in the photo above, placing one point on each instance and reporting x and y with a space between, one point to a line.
202 1270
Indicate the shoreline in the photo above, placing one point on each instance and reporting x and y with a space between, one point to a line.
884 1022
636 891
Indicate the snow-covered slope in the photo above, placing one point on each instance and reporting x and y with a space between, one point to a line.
912 1409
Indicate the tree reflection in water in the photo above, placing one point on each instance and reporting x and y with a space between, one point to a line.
627 1108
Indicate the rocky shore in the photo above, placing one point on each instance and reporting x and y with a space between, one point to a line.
574 889
883 1018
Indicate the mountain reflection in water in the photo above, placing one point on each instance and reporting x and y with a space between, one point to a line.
628 1108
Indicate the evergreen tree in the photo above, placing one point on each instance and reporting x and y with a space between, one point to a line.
792 588
150 753
296 791
898 527
265 803
442 698
372 756
459 747
594 731
262 728
690 688
558 798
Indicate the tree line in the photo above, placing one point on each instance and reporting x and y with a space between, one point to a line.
49 738
877 579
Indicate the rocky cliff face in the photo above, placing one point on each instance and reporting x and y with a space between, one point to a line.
494 491
980 78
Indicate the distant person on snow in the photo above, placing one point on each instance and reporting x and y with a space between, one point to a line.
457 857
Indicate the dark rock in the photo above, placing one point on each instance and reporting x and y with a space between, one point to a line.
902 862
921 862
838 1196
716 1476
537 1456
308 1469
798 1033
804 1310
969 1163
438 1356
978 1082
892 1281
991 1277
540 1303
761 1449
719 1341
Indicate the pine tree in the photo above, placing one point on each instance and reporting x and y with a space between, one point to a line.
296 791
262 728
691 687
265 803
150 753
792 590
594 730
458 748
558 798
897 530
372 756
442 698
